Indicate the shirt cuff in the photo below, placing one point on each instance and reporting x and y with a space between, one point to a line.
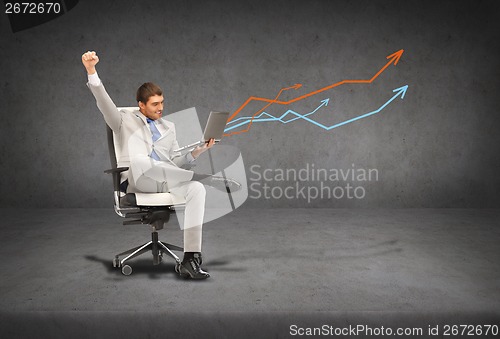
94 79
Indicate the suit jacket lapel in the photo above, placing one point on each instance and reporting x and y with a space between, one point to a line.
145 128
168 130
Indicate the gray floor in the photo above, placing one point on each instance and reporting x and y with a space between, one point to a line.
270 269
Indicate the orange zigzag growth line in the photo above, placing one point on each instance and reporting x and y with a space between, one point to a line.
394 59
296 86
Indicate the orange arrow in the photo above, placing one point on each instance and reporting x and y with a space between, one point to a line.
296 86
394 59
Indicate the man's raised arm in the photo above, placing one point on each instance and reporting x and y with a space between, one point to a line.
107 107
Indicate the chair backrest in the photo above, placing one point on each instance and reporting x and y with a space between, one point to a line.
112 158
112 149
111 146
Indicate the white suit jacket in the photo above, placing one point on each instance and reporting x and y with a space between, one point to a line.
134 141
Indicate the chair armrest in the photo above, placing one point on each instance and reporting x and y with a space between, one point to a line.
115 173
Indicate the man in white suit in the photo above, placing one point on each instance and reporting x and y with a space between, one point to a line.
146 144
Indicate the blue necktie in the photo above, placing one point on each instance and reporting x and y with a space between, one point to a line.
156 136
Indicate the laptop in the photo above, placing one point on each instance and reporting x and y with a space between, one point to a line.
213 130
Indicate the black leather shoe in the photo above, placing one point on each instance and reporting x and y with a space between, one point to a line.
199 258
190 268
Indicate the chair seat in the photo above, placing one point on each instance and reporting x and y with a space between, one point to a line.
150 199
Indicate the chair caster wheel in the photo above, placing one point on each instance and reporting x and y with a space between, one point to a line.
127 270
116 262
177 268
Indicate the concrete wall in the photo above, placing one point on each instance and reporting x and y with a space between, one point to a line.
436 148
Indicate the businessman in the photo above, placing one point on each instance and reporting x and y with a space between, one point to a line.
146 144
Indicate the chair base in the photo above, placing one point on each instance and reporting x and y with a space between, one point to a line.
157 248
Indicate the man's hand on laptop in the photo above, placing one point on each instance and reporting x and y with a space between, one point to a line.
200 149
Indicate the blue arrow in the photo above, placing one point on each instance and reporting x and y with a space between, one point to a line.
401 91
273 118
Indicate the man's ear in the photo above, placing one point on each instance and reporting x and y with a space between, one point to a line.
141 105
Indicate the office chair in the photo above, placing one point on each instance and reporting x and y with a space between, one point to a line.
152 209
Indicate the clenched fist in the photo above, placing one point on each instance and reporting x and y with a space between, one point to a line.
89 60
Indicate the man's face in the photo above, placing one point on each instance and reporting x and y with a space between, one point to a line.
153 108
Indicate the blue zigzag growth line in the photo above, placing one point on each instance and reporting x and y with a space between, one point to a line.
401 91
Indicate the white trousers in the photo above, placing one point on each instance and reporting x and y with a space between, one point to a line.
193 192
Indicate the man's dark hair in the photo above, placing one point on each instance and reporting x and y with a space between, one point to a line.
147 90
